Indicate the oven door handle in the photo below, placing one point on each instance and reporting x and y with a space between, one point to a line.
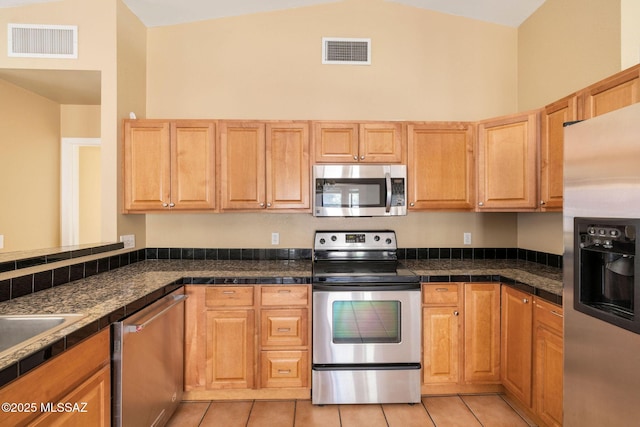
387 177
367 288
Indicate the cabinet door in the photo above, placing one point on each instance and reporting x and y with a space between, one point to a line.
507 163
517 321
230 349
552 151
380 143
548 362
440 166
441 345
482 333
618 91
335 142
287 168
193 164
242 165
89 405
147 178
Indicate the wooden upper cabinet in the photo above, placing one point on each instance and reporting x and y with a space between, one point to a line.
264 165
552 151
507 163
242 165
288 167
169 165
339 142
618 91
440 166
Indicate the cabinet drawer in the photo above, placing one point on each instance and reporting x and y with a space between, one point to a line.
285 295
444 294
281 369
229 296
284 327
549 314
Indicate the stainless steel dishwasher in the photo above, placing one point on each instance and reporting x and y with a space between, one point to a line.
148 360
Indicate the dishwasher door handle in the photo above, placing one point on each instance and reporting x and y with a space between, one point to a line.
153 315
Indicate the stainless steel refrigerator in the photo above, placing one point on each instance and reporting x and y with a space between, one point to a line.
601 350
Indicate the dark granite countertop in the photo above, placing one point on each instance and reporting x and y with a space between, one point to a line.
104 297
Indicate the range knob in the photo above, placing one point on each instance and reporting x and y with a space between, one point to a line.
388 241
334 238
322 241
376 238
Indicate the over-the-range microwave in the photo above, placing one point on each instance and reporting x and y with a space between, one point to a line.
360 190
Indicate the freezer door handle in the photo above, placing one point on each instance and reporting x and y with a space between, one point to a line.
153 315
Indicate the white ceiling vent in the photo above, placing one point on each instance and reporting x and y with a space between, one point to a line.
346 51
43 41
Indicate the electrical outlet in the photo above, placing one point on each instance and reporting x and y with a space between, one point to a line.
275 238
1 241
129 240
467 238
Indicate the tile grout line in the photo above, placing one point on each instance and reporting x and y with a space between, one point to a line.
427 411
470 410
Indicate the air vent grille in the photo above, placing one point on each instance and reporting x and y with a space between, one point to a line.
346 51
43 41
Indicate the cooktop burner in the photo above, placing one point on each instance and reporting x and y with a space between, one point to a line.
358 257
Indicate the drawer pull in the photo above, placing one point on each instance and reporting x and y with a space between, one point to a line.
555 313
284 329
284 371
442 289
284 291
228 292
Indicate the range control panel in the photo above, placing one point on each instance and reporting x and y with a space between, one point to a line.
355 240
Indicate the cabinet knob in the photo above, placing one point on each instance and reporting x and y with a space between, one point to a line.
268 205
171 205
456 313
542 203
355 157
361 157
165 205
262 205
525 300
412 204
480 203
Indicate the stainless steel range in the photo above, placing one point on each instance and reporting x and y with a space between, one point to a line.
366 320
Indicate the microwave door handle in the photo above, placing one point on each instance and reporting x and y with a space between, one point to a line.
388 183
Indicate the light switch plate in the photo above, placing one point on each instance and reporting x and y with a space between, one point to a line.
1 241
275 238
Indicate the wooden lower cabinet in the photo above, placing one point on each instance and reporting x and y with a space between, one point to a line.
548 362
81 376
517 316
247 342
461 337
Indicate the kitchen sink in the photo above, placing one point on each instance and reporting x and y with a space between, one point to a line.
20 330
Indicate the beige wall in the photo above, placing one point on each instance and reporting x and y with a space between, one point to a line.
251 230
425 66
89 194
132 81
564 46
80 121
29 169
630 39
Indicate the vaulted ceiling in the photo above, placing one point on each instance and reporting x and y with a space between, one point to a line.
155 13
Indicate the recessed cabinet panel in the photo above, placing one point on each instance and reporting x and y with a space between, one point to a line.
440 166
507 163
336 142
618 91
288 168
146 164
242 152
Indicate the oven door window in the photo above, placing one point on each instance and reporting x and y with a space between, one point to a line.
352 193
361 322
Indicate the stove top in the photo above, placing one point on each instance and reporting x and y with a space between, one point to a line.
358 257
